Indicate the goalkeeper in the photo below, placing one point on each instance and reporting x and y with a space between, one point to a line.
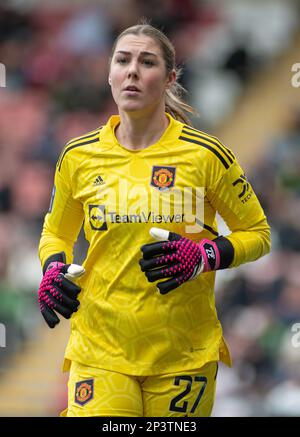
145 336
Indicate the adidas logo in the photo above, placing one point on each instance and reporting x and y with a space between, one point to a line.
98 181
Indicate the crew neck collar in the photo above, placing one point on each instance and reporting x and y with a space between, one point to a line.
114 121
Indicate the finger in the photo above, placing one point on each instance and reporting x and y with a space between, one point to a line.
169 285
68 287
159 234
65 311
163 234
72 271
50 317
67 301
152 249
164 272
154 275
62 304
147 264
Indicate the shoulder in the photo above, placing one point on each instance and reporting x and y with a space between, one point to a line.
79 145
87 138
210 145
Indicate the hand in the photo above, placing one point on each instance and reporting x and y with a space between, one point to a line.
178 258
58 293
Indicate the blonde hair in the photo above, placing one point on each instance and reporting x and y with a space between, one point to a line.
174 103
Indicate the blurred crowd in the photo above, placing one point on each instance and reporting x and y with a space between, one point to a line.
259 303
56 60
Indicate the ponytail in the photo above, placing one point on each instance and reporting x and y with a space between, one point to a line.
175 105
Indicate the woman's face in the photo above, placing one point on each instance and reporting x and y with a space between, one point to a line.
138 76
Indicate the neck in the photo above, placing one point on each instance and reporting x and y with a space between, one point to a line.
138 132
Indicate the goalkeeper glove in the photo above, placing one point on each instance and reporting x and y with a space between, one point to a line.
182 259
57 292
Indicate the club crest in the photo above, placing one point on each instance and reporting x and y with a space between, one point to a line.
84 391
163 178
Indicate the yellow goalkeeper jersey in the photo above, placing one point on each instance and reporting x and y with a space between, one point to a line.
179 183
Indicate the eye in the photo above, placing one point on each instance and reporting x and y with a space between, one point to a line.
121 60
148 62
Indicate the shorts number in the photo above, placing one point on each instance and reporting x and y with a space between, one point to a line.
183 408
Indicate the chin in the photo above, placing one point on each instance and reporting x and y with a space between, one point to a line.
131 108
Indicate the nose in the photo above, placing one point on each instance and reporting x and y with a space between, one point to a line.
133 70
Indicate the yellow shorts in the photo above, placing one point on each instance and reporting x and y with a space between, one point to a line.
98 392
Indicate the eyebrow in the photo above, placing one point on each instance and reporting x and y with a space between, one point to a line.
124 52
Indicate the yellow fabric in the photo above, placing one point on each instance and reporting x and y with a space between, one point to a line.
189 393
123 324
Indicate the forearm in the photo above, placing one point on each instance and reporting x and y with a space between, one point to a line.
51 244
250 232
225 253
251 244
61 227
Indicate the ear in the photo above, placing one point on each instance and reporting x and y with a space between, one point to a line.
171 79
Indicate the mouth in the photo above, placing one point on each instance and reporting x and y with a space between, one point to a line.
132 89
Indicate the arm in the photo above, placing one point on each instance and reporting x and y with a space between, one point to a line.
63 220
57 293
181 259
233 197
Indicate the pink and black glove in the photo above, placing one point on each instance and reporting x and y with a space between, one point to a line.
57 293
181 259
